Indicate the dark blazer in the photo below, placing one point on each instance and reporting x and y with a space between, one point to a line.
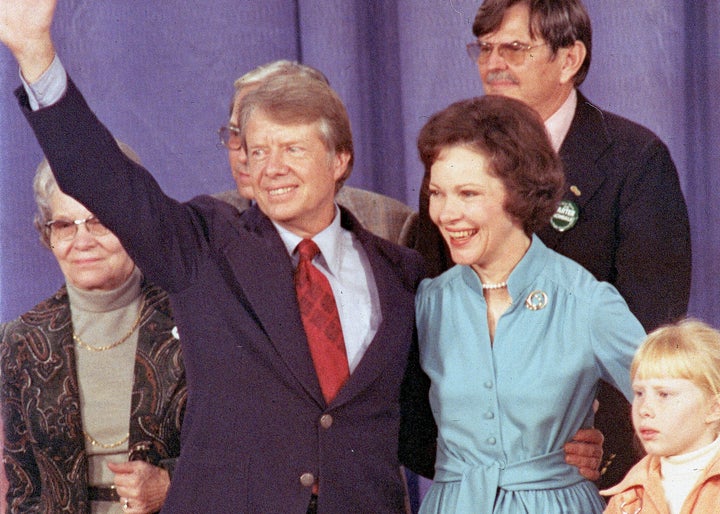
257 429
633 231
43 447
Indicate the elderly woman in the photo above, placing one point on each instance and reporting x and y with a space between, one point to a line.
93 385
515 338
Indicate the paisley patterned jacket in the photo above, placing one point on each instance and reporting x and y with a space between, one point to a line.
43 444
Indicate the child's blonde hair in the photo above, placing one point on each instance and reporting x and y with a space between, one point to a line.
689 349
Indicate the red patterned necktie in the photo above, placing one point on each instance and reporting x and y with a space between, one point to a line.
321 321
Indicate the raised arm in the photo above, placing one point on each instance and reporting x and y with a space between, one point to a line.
25 30
162 236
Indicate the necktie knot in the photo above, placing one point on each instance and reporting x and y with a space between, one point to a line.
307 250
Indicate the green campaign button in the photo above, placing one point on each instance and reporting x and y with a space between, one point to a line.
565 217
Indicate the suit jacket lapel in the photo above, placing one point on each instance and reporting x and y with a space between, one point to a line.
263 269
384 344
585 144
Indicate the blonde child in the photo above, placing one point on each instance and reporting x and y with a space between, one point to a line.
676 414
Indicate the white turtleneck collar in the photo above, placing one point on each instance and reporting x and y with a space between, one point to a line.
680 473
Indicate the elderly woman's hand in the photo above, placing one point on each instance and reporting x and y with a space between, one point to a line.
142 487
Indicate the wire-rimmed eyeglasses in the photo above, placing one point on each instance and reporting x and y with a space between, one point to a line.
230 137
513 53
64 230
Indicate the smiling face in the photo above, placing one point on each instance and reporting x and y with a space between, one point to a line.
542 81
467 204
88 261
292 173
673 416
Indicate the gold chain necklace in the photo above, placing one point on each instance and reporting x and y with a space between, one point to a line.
95 442
120 341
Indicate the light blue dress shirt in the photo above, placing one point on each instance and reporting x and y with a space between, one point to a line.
344 262
505 409
48 88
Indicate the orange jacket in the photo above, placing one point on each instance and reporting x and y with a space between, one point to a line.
641 492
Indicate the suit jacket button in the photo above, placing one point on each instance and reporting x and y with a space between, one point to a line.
307 479
326 421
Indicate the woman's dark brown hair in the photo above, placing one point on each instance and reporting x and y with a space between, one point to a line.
512 137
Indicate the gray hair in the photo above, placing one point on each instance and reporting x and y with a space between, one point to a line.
258 75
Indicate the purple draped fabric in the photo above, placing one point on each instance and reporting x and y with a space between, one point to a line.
160 76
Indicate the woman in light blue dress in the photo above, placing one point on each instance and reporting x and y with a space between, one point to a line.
515 338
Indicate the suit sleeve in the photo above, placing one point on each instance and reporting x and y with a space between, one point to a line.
653 258
163 236
418 432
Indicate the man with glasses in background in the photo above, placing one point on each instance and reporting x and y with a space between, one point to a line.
623 215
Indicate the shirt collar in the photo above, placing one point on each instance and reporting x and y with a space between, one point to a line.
524 275
559 123
329 240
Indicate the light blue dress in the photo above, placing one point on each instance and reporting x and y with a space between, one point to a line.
505 410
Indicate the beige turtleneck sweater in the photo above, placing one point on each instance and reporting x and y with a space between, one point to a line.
99 319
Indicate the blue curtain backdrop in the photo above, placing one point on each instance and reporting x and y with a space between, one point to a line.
160 74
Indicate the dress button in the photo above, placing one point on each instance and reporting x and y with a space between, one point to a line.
489 415
326 421
488 385
491 440
307 479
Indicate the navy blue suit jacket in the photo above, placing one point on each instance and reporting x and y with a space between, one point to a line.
252 425
633 232
633 229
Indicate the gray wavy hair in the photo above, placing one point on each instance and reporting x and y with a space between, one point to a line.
258 75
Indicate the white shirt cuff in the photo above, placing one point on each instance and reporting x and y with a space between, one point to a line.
49 88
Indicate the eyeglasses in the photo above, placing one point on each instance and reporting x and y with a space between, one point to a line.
514 53
230 137
64 230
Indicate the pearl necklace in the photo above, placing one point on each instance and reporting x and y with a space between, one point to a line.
499 285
